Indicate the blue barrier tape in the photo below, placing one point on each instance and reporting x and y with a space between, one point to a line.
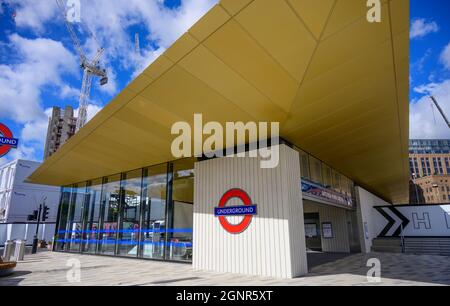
125 242
181 230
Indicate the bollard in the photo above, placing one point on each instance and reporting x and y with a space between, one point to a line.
7 252
19 252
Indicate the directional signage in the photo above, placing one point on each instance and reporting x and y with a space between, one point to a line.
397 222
413 221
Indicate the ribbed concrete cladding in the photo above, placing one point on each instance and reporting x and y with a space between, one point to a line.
337 84
274 243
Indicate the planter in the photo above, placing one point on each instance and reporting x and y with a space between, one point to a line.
7 268
42 244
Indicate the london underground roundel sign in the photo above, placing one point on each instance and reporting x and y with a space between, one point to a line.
248 210
7 141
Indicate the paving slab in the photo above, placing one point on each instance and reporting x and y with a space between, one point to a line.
54 269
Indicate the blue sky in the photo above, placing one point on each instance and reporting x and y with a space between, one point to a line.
39 66
425 51
430 67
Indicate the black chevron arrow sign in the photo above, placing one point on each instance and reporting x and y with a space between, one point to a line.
401 221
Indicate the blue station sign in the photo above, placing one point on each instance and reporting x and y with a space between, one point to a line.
11 142
235 211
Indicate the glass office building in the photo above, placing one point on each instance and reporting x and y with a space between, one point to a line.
429 146
144 213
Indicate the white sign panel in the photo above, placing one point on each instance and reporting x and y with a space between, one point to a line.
413 221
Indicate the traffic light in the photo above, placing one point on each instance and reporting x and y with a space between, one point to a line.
45 213
33 216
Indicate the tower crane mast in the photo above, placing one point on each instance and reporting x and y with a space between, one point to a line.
90 69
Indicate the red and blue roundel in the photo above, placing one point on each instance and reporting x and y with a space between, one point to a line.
7 141
248 210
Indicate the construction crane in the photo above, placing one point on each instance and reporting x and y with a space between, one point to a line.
137 44
90 68
440 110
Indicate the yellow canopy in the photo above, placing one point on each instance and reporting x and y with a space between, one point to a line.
337 84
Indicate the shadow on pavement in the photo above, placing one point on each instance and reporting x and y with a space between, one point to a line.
402 267
14 279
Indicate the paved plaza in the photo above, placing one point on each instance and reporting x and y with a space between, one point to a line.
50 269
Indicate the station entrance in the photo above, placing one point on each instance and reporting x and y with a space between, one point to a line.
330 229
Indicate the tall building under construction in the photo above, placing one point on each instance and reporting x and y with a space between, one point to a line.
61 127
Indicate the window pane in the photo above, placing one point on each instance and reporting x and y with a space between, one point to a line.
304 164
110 208
326 174
346 185
76 225
92 216
63 219
181 212
316 170
154 215
336 181
130 203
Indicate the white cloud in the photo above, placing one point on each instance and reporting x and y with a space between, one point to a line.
92 110
22 152
426 123
426 88
67 92
33 14
421 28
42 62
445 57
111 21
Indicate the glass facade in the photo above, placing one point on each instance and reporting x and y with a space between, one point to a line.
317 172
92 217
145 213
148 213
429 146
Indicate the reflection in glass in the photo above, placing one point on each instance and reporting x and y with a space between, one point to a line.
130 205
76 209
347 185
180 218
110 215
326 174
147 213
153 219
92 216
315 166
304 164
336 181
62 233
